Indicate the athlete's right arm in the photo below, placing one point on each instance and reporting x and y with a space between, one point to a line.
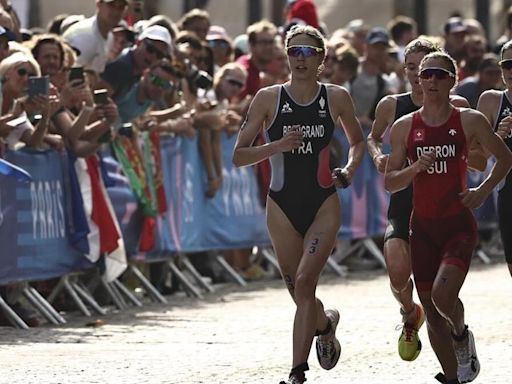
488 103
397 178
260 112
384 114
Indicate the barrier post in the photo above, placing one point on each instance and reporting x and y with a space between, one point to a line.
12 316
150 288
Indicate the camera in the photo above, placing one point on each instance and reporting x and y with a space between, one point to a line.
200 79
183 68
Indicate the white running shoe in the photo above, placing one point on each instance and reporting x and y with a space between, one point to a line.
469 366
328 351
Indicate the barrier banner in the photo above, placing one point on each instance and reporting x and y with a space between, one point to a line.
364 204
233 218
33 227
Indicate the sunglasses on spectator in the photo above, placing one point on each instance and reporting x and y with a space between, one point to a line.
436 72
304 50
235 82
218 43
24 72
160 82
152 50
506 64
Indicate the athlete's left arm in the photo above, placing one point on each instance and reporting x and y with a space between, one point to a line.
477 127
343 110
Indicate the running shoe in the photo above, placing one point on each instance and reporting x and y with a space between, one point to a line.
465 351
294 380
409 343
328 350
297 374
442 379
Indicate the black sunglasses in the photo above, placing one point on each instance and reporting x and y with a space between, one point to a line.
235 82
24 72
152 50
436 72
506 64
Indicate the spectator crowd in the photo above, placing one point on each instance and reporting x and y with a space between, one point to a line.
90 84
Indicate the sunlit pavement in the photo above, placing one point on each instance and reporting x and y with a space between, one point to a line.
244 336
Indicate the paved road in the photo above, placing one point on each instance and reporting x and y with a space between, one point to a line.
244 336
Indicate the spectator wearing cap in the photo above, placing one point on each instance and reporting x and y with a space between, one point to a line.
487 77
153 84
370 84
124 37
152 45
93 36
55 22
68 22
304 10
455 32
221 44
240 46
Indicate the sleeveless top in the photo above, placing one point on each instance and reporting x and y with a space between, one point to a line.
303 170
505 110
436 190
400 203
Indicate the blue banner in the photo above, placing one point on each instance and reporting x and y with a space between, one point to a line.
232 219
34 218
33 227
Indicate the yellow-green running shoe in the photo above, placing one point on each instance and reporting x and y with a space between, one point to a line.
409 343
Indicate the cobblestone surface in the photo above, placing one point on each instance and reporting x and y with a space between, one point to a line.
244 336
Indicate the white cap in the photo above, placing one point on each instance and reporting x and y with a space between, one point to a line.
69 21
156 32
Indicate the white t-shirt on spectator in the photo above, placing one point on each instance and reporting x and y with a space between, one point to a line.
86 37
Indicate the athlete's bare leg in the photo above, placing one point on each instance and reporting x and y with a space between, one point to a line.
301 262
398 263
439 331
445 315
445 295
510 269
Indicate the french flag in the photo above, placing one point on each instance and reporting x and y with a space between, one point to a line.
104 235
